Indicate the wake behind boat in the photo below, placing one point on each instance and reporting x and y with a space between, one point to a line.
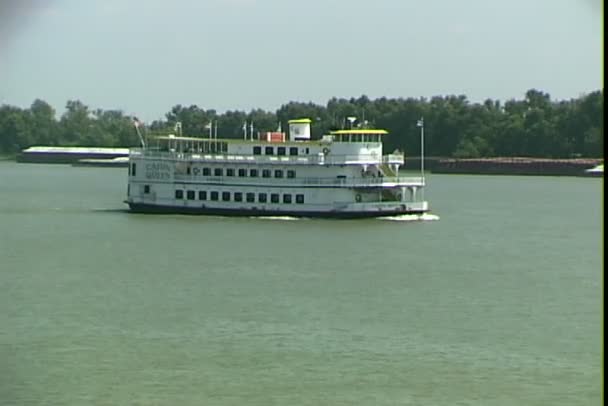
342 175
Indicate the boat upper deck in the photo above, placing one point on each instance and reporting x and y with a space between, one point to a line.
352 147
316 159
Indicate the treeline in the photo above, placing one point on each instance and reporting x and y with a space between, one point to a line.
454 127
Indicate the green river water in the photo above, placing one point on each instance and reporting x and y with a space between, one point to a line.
496 300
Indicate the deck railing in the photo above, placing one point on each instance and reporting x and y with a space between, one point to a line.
320 159
351 183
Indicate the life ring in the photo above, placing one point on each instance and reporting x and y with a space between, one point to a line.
196 170
358 198
325 151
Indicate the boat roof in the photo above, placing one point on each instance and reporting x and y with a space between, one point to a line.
230 140
181 138
359 131
300 121
172 137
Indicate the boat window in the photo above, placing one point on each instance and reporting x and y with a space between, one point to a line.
230 172
190 194
250 197
206 171
257 150
274 198
291 174
133 168
262 197
253 173
281 151
226 196
146 188
179 194
269 151
307 151
300 199
202 195
265 173
242 173
293 151
217 172
278 173
214 195
188 170
287 199
238 196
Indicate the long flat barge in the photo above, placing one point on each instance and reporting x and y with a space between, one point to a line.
69 155
517 166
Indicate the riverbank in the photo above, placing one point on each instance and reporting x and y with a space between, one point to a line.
85 156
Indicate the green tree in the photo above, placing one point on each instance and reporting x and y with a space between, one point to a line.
43 123
533 126
75 124
15 129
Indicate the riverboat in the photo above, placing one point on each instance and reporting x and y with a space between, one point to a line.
344 174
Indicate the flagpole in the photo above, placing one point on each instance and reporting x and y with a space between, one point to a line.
422 148
420 124
137 123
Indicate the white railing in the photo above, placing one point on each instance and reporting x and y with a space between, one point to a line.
320 159
387 181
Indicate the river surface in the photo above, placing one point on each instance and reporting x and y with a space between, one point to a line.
495 300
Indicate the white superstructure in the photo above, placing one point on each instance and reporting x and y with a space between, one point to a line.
344 174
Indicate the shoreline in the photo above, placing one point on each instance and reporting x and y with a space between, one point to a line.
463 166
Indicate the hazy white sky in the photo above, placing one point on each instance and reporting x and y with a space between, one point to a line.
145 56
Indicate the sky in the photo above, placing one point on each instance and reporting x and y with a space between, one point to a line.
146 56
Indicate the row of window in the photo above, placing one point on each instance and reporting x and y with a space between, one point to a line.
249 197
252 173
357 138
280 151
200 146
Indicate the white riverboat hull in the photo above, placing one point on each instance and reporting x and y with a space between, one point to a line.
354 212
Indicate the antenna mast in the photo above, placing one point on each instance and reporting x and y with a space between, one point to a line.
420 124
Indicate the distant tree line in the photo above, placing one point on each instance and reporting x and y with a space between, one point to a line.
454 127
